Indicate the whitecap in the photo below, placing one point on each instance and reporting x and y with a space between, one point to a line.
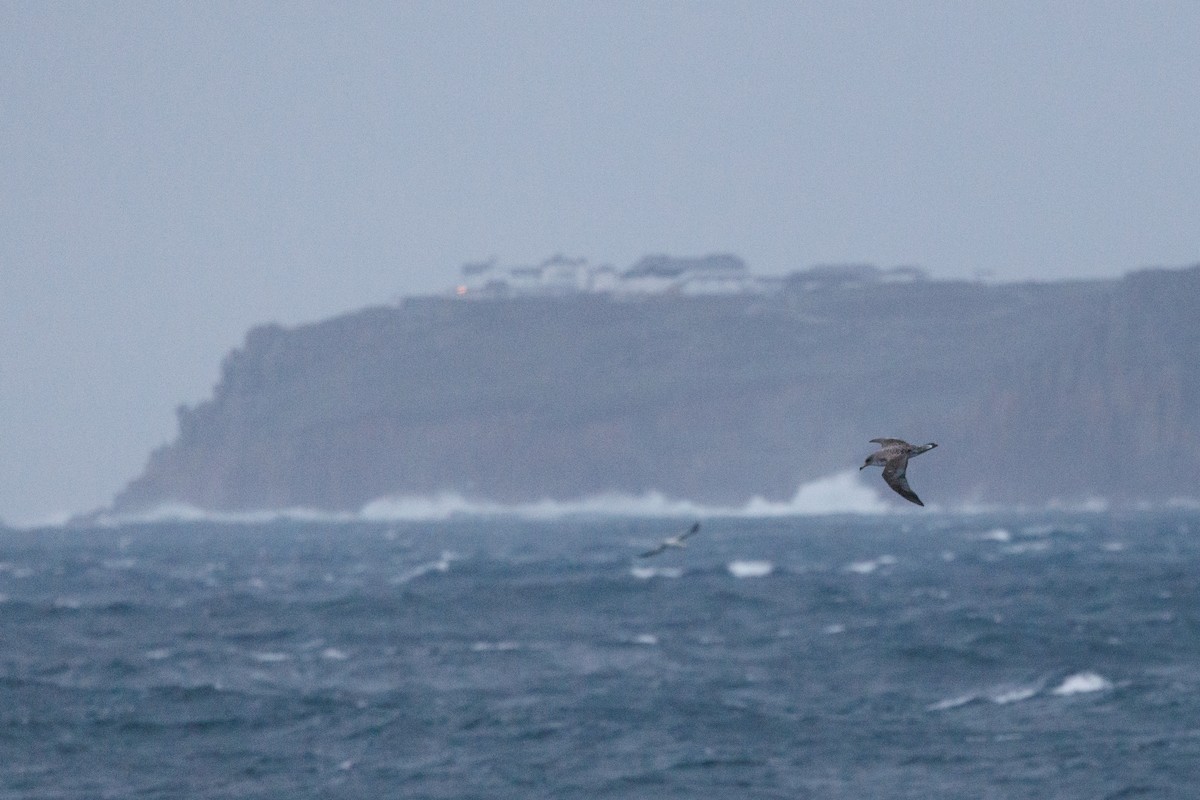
834 629
269 657
334 654
1082 683
447 505
441 565
750 569
183 512
995 535
953 702
495 647
1000 695
867 567
160 654
646 573
1016 694
841 493
648 639
1026 547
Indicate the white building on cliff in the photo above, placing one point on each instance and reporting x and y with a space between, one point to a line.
561 276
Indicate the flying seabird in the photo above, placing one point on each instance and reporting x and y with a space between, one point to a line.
893 456
672 541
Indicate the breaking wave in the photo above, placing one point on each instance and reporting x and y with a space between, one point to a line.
750 569
840 493
1083 683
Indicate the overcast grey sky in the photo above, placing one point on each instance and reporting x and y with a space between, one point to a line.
173 173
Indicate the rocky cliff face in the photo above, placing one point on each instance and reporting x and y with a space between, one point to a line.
1035 392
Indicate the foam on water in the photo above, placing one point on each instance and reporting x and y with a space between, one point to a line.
183 512
441 565
1002 696
750 569
867 567
995 535
495 647
841 493
1026 547
844 492
1082 683
956 701
1079 683
646 573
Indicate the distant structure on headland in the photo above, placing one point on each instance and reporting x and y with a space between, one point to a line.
715 274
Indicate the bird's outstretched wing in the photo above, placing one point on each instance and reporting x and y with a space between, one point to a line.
885 442
672 541
893 475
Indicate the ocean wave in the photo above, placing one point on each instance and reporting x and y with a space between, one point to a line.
999 695
646 573
994 535
750 569
867 567
1082 683
840 493
495 647
1078 683
441 565
1003 696
957 701
182 512
844 492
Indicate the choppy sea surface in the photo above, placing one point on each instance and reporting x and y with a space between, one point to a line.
906 656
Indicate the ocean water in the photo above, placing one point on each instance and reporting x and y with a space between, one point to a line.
908 656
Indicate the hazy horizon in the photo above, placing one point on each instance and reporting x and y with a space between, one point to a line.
175 175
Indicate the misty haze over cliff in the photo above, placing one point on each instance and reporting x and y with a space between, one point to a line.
1037 393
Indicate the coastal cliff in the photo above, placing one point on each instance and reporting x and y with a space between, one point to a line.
1037 393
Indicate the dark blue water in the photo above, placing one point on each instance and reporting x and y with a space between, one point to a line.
920 656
